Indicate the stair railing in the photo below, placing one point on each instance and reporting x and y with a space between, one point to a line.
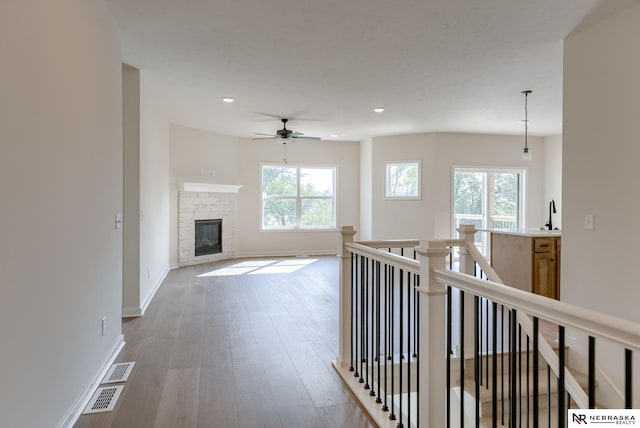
374 274
546 351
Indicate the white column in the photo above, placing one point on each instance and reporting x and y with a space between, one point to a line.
344 353
432 337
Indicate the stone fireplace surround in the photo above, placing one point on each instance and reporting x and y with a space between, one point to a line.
220 203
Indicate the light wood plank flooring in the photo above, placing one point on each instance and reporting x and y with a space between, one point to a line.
242 343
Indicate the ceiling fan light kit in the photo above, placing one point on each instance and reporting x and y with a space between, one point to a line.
285 135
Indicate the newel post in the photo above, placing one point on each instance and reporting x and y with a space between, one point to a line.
432 336
467 233
344 353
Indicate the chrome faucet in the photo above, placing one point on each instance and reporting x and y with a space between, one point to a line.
552 210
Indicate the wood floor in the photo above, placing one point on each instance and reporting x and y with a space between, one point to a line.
242 343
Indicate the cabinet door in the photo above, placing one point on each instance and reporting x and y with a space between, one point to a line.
544 274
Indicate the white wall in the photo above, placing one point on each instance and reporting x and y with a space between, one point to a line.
61 186
600 153
131 185
553 178
154 192
198 156
366 190
206 157
146 192
600 156
430 217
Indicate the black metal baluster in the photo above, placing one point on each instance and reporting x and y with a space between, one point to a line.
548 396
494 365
502 353
535 373
520 372
561 363
385 408
527 382
513 419
628 379
461 356
592 372
358 314
373 358
477 337
486 341
362 300
417 348
365 356
353 302
378 315
416 281
392 415
449 334
401 343
479 331
408 349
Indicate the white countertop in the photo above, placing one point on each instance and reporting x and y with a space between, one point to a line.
532 233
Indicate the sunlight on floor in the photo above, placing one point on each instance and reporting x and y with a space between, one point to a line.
261 267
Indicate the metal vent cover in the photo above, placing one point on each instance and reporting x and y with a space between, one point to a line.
103 400
118 372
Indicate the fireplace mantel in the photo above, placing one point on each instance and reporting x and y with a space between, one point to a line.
211 188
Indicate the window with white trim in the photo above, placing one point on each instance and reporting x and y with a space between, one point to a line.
402 180
298 197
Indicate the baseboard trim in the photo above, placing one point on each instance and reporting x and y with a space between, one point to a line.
285 254
135 312
153 292
75 411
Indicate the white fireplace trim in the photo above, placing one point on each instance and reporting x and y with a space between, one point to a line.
211 188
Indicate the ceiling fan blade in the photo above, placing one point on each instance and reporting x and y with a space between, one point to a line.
264 138
306 138
275 116
296 134
260 133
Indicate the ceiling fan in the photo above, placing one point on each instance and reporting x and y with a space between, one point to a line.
285 135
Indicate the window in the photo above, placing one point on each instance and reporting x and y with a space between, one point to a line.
403 180
488 199
298 197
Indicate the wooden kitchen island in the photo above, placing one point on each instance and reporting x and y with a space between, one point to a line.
527 259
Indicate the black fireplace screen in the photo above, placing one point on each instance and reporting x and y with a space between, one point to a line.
208 237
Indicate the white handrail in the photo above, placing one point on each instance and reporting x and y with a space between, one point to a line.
622 331
391 243
402 262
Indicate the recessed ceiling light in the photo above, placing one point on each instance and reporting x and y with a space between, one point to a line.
378 109
228 99
335 135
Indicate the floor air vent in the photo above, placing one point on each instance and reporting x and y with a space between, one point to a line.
104 399
118 373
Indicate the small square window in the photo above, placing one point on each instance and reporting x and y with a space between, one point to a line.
403 180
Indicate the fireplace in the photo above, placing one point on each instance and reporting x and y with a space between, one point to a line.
208 237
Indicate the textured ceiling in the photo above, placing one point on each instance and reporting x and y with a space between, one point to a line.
434 65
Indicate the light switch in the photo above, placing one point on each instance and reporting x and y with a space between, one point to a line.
588 221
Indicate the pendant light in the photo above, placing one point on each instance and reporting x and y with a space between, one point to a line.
526 152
